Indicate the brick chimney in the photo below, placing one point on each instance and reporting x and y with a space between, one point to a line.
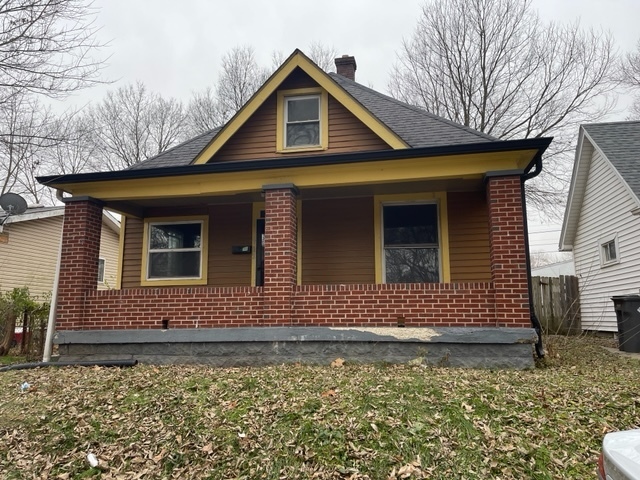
346 66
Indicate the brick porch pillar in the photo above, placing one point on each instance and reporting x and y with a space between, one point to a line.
79 262
508 251
280 252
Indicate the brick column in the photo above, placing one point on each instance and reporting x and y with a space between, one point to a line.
79 261
508 251
280 252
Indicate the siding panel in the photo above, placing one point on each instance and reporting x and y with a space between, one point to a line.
469 250
605 211
337 241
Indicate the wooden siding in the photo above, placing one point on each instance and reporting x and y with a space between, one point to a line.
469 251
605 212
228 225
29 257
256 139
337 241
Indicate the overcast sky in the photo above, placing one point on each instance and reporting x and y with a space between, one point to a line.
175 47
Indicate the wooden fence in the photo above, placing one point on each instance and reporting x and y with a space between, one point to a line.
557 304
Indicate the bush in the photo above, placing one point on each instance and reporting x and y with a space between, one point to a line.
33 314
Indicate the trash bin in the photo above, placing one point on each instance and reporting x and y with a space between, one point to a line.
628 314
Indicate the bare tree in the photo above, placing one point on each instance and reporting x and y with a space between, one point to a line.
241 76
46 47
25 132
204 113
323 56
630 77
131 125
493 65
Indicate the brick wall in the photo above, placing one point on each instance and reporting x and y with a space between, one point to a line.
460 305
182 307
414 305
79 262
508 252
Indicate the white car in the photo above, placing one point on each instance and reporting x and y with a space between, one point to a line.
620 457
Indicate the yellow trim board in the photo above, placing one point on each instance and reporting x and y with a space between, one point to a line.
204 252
440 199
324 120
385 171
298 60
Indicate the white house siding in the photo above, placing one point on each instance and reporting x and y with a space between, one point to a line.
605 211
29 256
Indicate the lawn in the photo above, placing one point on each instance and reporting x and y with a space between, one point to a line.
341 422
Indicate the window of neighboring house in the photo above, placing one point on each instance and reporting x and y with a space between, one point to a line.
174 250
609 253
411 243
101 263
302 121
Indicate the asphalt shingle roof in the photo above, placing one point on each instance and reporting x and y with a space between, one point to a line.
620 142
417 127
180 155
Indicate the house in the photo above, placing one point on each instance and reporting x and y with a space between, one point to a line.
556 269
29 245
322 206
602 220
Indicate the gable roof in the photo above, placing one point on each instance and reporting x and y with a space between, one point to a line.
40 212
619 144
412 126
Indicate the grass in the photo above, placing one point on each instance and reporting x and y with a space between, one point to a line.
288 422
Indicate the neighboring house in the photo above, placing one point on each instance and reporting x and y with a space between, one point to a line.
602 220
29 246
321 203
554 269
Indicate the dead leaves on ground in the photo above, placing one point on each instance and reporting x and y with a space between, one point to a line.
357 422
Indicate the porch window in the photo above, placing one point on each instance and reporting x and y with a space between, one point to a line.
411 245
175 250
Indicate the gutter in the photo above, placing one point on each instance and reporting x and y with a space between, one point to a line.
528 175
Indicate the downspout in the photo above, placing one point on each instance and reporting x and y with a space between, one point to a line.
527 175
51 324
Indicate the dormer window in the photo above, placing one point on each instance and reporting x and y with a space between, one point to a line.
302 120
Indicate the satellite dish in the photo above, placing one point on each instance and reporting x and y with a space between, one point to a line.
12 203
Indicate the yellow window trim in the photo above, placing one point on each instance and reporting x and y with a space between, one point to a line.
257 207
298 60
123 229
204 252
324 119
440 198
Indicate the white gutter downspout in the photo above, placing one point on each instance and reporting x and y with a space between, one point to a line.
51 324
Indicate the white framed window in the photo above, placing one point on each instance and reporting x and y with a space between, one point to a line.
302 126
609 251
174 250
101 265
411 243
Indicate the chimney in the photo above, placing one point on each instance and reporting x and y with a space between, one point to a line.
346 66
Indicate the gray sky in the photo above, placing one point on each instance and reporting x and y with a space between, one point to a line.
175 47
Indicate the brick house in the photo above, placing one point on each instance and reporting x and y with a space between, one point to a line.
322 206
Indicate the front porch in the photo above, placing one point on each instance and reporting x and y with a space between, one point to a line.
312 251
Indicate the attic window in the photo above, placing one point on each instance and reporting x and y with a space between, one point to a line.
303 120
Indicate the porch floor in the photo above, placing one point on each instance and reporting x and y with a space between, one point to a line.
476 347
